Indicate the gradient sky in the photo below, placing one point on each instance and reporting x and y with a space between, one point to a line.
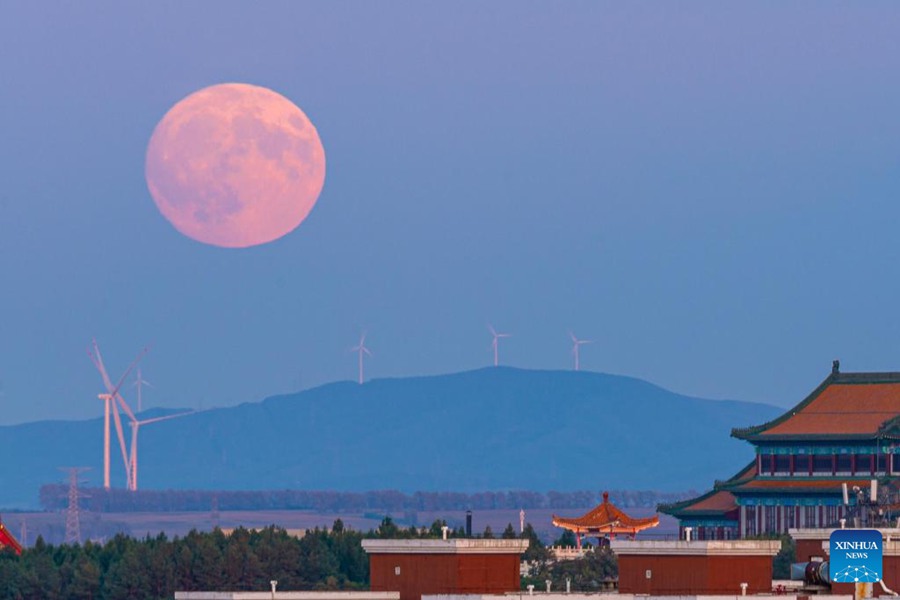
709 191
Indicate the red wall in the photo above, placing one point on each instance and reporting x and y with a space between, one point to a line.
806 549
444 574
689 575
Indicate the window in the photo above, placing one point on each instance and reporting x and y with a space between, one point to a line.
809 516
790 517
801 464
831 515
750 520
843 463
884 463
822 463
771 517
765 464
782 463
864 463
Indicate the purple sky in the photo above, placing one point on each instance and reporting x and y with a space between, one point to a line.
709 192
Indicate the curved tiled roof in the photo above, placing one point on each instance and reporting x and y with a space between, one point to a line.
605 518
7 539
797 485
855 405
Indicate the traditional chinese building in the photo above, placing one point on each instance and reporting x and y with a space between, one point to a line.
847 431
605 521
8 541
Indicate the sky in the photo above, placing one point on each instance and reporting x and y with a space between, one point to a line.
706 190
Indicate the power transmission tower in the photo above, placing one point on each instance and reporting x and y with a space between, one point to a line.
214 512
73 520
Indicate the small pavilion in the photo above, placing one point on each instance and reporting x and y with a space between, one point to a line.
606 521
7 540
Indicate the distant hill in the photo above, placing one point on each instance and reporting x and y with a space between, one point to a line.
489 429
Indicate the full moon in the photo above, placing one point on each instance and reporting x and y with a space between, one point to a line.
235 165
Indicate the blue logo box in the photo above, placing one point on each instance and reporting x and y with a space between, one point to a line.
855 556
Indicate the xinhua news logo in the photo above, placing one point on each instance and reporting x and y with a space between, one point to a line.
855 556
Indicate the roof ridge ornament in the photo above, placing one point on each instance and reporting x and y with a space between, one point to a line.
835 367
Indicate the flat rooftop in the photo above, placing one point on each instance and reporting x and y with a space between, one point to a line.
286 595
453 546
696 547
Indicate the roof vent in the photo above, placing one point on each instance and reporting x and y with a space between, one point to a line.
835 367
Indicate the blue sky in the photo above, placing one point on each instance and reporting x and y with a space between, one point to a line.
708 191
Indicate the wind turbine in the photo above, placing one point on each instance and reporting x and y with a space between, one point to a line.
139 383
112 400
135 427
495 344
576 344
361 349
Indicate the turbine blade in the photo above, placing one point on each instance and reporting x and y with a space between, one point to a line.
98 362
165 418
133 364
121 437
121 401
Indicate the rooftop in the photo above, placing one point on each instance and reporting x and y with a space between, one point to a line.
451 546
777 484
844 405
7 539
287 595
697 547
605 518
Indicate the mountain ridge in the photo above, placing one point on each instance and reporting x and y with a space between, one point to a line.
491 428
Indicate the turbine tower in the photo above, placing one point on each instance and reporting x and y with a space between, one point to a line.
135 427
576 344
361 349
112 402
495 344
139 383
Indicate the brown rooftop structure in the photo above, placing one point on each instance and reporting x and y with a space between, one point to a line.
7 540
606 520
845 405
449 566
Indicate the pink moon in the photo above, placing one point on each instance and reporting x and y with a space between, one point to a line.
235 165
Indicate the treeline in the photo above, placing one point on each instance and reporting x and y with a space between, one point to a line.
245 560
54 497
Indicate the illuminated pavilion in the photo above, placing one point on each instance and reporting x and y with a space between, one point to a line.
605 521
8 541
